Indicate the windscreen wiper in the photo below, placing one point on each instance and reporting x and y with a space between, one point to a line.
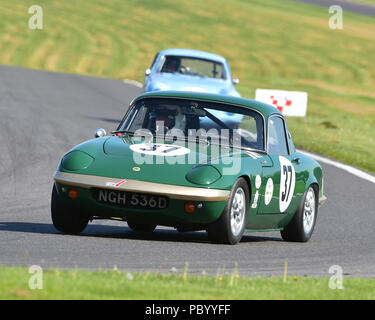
183 138
123 131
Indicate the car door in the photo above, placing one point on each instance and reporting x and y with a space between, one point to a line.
279 170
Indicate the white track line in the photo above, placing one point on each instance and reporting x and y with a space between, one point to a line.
133 82
359 173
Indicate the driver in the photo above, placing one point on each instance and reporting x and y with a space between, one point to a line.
172 65
164 121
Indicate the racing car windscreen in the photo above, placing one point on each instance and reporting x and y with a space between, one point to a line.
193 67
211 122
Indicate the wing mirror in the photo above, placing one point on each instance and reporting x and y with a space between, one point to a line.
147 72
235 81
100 133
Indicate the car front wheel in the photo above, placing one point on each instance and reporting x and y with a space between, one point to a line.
229 228
65 218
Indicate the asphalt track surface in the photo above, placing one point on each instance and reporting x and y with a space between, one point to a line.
43 115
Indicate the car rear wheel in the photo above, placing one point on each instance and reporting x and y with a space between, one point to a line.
301 227
65 218
141 227
229 228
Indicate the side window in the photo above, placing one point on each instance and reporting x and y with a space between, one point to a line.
276 137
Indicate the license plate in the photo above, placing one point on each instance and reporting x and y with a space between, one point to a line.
130 199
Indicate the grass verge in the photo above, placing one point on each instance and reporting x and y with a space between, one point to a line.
114 284
269 44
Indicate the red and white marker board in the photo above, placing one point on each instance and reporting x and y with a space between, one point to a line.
289 103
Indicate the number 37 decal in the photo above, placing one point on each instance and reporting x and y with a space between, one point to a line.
287 183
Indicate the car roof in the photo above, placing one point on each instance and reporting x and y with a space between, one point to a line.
193 53
264 108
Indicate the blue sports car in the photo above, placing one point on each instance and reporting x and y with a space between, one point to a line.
191 70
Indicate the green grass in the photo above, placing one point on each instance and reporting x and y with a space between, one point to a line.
269 44
110 284
364 1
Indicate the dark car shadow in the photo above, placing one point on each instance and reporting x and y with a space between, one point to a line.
28 227
111 120
162 234
124 232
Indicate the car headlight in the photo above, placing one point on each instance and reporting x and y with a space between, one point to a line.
76 160
203 175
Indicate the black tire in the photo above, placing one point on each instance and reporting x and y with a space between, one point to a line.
221 231
65 218
295 231
141 227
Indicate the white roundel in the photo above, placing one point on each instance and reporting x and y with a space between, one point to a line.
269 192
258 181
287 183
159 149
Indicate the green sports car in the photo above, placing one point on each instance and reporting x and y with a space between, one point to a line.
173 162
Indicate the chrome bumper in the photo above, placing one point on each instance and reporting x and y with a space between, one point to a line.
171 191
